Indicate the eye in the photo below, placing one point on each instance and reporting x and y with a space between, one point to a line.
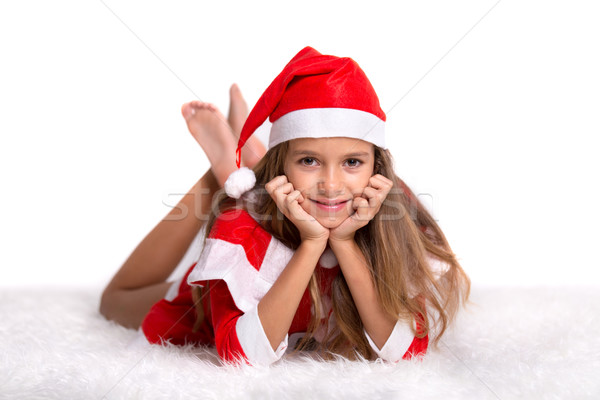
308 161
353 162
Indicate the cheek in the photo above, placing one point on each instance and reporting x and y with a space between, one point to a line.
307 206
358 183
299 181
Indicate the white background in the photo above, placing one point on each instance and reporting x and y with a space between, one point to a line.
495 118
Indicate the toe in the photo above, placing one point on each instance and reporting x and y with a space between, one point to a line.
187 110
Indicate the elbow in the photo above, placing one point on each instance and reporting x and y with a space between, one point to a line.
103 308
106 301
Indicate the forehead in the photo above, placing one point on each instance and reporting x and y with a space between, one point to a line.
332 146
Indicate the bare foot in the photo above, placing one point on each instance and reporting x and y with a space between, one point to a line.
253 150
210 129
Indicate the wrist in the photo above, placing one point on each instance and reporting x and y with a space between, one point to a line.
343 233
315 244
341 243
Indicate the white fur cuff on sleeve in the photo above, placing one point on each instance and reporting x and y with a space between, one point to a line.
254 341
397 344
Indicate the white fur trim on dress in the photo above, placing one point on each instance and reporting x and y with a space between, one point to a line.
173 290
227 261
397 344
254 341
328 122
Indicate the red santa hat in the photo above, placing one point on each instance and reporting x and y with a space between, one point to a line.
314 96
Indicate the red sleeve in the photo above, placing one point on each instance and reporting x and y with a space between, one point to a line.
174 320
418 347
234 262
225 315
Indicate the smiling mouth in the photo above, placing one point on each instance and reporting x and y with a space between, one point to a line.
330 203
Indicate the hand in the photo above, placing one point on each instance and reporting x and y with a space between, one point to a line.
288 201
366 205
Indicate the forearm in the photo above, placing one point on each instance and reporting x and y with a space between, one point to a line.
129 308
377 322
154 259
277 308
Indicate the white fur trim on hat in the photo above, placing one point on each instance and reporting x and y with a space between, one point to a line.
239 182
328 122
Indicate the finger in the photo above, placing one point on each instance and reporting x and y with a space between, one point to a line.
379 181
293 196
286 197
280 194
375 197
359 203
381 184
369 192
295 209
275 183
278 189
363 209
284 189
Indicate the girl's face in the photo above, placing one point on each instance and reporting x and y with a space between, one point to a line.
329 172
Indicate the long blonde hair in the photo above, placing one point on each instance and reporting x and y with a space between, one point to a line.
407 239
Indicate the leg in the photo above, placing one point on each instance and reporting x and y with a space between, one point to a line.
141 280
211 130
254 150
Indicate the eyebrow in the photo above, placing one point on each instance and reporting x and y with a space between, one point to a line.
312 153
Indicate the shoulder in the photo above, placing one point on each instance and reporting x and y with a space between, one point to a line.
236 229
233 219
241 252
236 226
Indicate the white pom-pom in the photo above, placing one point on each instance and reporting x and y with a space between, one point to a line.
239 182
328 259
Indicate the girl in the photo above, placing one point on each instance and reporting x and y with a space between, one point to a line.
320 247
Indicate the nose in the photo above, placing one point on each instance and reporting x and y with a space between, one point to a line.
330 182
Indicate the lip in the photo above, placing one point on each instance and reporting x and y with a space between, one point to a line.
330 205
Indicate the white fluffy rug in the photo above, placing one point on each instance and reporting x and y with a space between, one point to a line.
530 343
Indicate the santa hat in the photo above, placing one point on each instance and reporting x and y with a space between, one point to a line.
314 96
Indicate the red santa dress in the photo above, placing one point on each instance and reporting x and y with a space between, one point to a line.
238 265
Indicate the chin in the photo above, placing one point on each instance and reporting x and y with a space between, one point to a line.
330 223
330 220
